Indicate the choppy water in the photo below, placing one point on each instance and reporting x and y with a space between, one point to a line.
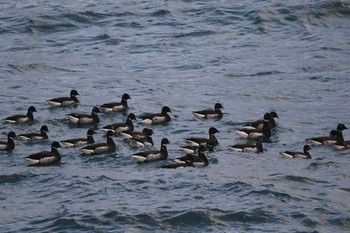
252 56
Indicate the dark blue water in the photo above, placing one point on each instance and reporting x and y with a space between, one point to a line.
251 56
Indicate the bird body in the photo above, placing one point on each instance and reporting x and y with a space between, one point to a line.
116 106
16 119
45 157
65 101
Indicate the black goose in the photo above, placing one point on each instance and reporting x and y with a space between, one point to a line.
297 154
324 140
84 119
255 133
21 118
258 124
199 160
10 144
45 157
157 118
153 155
128 126
75 142
137 135
251 148
141 139
116 106
35 136
101 148
210 113
210 142
65 101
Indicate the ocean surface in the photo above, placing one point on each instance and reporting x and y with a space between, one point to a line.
292 57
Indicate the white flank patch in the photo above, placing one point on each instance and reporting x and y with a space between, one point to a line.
68 144
179 161
191 143
139 158
10 121
73 119
146 121
339 147
286 155
235 149
88 151
200 116
125 135
54 104
242 134
32 161
314 142
248 127
23 138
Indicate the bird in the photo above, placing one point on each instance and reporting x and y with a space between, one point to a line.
137 135
84 119
118 128
296 154
258 124
10 144
35 136
255 133
65 101
210 113
210 142
75 142
324 140
157 118
116 106
139 139
45 157
340 143
21 118
339 136
199 160
251 148
101 148
153 155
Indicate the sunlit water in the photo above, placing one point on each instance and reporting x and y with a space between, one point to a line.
251 56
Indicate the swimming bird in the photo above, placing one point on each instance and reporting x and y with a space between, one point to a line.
153 155
84 119
21 118
137 135
101 148
258 124
339 136
199 160
45 157
255 133
65 101
126 126
139 139
296 154
10 144
210 142
35 136
116 106
324 140
157 118
251 148
210 113
75 142
341 144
